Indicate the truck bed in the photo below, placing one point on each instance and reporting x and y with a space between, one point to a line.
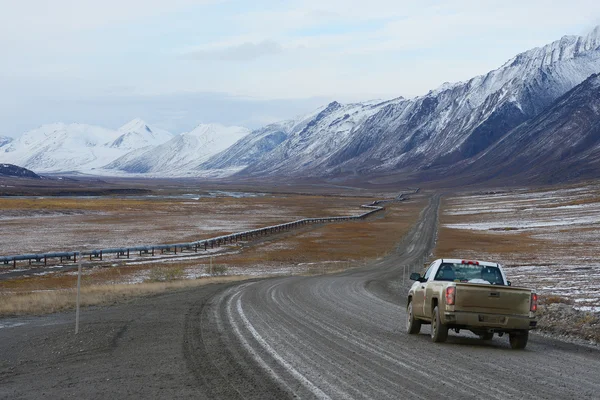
496 299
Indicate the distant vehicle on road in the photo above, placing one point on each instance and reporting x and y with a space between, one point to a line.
472 295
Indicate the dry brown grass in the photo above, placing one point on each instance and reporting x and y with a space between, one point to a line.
552 251
349 241
61 300
458 243
326 248
77 224
499 244
554 299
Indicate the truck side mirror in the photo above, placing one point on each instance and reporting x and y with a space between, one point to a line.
508 283
415 276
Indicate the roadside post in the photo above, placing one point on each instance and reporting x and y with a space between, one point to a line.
78 293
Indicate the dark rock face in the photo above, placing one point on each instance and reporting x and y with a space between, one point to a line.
15 171
560 144
505 118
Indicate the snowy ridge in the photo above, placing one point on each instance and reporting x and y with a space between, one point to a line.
181 154
71 147
447 125
4 140
137 134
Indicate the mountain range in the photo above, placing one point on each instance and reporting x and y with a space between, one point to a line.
438 131
133 148
525 121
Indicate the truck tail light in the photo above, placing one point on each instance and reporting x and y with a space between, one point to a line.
470 262
534 298
450 295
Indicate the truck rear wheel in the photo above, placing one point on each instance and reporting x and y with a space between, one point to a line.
518 340
439 331
413 326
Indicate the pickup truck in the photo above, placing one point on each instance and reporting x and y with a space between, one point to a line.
472 295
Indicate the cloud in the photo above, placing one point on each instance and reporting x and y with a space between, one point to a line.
41 17
242 52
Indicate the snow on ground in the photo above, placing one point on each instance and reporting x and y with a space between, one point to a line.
181 220
565 222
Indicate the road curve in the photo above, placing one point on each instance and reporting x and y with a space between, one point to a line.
343 336
335 336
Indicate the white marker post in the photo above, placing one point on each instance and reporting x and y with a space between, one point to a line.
78 294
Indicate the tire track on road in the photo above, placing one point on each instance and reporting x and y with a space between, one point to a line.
342 336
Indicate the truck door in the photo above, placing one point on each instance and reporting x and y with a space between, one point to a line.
419 296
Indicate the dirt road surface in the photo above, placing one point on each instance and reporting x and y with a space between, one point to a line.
334 336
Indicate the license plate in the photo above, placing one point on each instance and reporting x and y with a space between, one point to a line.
492 319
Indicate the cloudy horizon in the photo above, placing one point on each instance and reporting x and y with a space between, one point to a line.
179 63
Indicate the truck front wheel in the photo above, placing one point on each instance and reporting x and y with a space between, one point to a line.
413 326
439 331
518 340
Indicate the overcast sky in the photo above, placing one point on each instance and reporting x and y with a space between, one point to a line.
177 63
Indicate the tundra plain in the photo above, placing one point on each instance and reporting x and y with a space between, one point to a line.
35 225
547 239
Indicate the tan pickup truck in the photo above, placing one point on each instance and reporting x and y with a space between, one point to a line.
472 295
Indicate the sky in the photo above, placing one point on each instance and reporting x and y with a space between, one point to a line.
179 63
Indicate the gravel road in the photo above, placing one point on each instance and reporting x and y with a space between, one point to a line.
334 336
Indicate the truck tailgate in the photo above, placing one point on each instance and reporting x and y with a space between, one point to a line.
492 299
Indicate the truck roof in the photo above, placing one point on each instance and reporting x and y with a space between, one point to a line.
459 261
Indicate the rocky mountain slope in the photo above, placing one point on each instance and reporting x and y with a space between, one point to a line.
448 125
17 172
561 143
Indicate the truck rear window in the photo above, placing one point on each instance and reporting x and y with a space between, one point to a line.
469 273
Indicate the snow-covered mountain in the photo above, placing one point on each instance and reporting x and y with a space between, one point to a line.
183 154
61 147
452 123
5 140
136 134
447 131
281 140
76 147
